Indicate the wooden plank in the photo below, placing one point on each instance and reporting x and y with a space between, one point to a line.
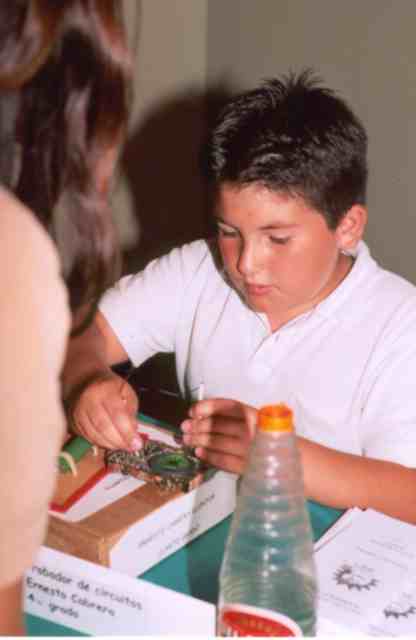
93 537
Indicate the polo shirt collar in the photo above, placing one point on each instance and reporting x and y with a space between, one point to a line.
364 267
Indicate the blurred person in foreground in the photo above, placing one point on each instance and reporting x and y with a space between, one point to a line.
64 93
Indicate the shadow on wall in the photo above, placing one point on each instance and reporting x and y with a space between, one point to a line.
161 162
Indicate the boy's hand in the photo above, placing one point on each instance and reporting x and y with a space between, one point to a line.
104 412
221 431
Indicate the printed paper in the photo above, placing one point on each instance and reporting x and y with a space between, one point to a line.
99 601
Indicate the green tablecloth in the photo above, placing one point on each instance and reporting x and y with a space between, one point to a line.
194 569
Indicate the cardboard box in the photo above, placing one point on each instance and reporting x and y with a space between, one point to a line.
137 530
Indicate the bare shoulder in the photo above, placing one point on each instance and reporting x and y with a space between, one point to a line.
29 261
35 304
23 237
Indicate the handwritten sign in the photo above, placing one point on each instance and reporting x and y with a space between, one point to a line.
162 532
100 601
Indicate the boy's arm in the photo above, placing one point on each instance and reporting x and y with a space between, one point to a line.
101 405
222 431
90 354
344 480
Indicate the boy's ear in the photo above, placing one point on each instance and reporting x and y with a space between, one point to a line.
350 229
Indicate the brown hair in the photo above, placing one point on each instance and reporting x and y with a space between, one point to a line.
69 63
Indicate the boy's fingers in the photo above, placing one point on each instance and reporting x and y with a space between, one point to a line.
219 425
223 408
129 397
98 439
108 432
123 423
217 406
218 443
106 414
99 427
85 428
225 461
80 425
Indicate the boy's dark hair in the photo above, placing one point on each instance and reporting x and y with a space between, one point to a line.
294 136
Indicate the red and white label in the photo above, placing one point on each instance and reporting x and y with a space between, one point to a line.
241 620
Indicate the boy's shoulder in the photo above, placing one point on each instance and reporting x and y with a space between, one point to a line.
392 288
373 301
385 305
378 285
195 251
199 258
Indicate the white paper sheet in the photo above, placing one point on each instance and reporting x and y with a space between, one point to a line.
342 523
110 488
99 601
152 539
366 577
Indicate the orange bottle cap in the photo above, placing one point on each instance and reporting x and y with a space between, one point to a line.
275 417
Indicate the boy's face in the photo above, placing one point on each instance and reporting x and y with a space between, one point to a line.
278 252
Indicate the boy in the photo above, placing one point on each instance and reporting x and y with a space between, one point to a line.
287 305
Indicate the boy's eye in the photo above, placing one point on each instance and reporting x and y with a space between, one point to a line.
277 240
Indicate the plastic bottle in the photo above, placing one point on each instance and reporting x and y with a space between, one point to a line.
267 578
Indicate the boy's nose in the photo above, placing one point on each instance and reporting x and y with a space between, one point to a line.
247 262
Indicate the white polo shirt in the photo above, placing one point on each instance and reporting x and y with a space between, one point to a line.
347 367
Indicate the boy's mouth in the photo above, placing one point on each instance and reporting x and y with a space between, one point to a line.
257 289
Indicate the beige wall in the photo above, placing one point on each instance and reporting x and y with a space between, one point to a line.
158 180
366 49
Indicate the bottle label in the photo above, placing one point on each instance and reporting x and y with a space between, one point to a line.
241 620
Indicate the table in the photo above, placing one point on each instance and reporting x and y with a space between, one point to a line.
194 569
